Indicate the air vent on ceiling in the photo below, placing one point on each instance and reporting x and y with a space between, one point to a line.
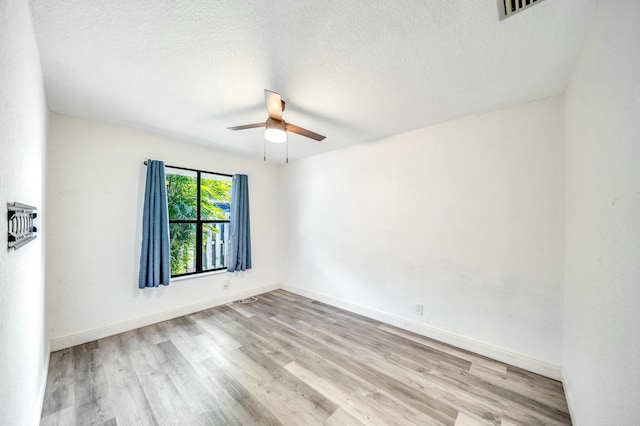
507 8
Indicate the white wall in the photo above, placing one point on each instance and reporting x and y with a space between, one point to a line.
464 217
94 196
602 252
23 348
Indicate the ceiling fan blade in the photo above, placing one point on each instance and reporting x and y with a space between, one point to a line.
247 126
274 104
304 132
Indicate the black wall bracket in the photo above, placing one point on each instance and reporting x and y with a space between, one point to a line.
20 224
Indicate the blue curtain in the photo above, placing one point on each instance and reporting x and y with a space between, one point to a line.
239 251
154 257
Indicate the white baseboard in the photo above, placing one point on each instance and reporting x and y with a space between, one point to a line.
42 387
494 352
569 396
491 351
91 335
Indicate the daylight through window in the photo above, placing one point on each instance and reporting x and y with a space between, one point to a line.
199 204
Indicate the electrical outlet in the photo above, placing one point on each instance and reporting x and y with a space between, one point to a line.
226 284
419 309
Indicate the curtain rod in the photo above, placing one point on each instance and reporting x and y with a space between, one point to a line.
195 170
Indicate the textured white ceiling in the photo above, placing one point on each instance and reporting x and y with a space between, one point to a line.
354 71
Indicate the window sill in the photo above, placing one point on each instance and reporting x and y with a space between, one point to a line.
204 274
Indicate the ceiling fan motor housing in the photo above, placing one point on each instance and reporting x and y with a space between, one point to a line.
275 130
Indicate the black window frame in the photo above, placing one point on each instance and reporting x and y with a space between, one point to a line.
198 221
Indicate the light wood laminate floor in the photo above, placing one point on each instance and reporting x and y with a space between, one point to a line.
288 360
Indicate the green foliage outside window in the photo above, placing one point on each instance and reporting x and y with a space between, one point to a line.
182 195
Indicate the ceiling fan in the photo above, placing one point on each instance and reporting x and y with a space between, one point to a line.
275 128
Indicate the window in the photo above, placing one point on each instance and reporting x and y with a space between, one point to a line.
199 204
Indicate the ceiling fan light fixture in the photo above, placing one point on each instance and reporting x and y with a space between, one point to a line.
275 131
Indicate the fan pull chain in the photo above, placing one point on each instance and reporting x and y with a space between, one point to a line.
287 150
264 150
